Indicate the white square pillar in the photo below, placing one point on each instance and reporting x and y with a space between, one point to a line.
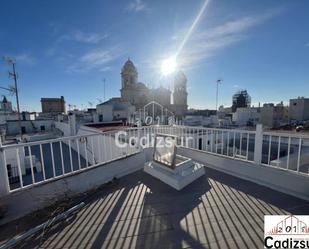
258 144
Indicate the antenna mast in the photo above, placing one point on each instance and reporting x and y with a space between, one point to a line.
219 81
12 61
104 89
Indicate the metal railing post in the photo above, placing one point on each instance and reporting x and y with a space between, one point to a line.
258 144
4 180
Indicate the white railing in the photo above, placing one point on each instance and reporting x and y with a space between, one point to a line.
33 163
37 162
237 144
280 150
286 151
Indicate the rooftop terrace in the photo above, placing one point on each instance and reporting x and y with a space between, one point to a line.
216 211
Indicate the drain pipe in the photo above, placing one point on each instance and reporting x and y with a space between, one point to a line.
18 238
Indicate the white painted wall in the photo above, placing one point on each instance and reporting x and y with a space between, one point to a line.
10 116
243 115
106 111
274 178
64 127
24 202
31 126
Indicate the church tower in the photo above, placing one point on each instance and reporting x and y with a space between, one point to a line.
128 81
132 91
5 105
180 94
128 75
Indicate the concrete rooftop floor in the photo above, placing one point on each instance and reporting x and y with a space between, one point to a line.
216 211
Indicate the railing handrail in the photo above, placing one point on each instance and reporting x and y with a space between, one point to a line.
268 133
65 138
286 134
206 128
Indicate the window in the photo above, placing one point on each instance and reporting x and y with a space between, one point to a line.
200 144
9 170
165 150
12 177
23 129
42 127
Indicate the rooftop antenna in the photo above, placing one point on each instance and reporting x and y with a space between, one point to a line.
104 88
14 89
219 81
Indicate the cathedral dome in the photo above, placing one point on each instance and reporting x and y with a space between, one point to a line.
141 85
129 67
162 89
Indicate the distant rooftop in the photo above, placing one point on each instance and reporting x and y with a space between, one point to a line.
108 126
52 99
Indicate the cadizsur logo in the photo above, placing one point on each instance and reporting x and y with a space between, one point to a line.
124 139
286 231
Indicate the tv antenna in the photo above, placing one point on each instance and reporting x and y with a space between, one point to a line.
14 89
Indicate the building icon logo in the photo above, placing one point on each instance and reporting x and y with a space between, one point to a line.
286 231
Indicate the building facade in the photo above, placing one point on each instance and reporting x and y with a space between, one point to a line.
247 116
53 105
139 95
273 116
115 110
299 109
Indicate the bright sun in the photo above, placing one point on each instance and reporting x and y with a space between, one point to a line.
168 66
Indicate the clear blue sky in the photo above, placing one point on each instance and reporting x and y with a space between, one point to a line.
67 47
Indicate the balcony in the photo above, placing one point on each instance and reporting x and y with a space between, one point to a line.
248 174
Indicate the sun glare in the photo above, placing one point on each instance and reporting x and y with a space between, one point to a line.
168 66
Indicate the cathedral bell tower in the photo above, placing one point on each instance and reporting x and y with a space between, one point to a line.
128 75
128 81
180 94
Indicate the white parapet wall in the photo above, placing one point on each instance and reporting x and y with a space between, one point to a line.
278 179
37 197
64 127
